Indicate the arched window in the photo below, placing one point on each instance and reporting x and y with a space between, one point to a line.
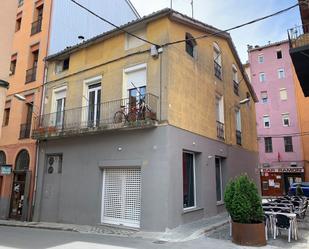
190 45
217 61
22 160
2 158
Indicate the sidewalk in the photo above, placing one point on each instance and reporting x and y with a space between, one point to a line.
179 234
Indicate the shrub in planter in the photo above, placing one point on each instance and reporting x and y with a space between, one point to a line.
244 204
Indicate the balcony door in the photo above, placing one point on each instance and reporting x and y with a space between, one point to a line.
94 106
58 114
60 105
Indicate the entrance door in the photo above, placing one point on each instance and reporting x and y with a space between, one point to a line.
121 197
94 97
51 188
20 195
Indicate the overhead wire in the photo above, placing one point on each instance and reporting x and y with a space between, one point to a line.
191 38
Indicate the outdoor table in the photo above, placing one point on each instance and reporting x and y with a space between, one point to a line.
292 216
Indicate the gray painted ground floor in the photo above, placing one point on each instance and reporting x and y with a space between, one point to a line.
72 193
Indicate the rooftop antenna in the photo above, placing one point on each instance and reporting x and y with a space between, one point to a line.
192 8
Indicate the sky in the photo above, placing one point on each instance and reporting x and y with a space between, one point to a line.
228 13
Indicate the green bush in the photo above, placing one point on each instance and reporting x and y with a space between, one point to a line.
242 201
299 191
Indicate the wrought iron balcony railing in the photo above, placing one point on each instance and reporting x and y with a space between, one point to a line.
236 87
25 130
220 130
31 75
238 137
36 27
299 36
123 113
218 70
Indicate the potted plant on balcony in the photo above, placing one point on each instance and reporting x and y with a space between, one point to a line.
244 205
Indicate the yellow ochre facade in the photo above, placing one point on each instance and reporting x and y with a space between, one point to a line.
188 85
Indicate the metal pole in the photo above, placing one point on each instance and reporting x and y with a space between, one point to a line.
192 7
171 4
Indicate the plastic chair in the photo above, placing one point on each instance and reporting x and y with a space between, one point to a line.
282 222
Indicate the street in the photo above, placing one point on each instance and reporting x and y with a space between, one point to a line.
27 238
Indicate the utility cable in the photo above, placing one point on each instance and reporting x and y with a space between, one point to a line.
235 27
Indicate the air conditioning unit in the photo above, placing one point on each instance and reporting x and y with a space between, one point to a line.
266 165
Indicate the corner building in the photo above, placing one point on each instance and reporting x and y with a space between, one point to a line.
142 137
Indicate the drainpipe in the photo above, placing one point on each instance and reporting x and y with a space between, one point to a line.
41 111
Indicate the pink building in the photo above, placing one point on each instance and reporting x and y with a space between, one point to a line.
281 157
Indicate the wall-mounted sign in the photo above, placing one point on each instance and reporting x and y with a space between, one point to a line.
283 170
5 170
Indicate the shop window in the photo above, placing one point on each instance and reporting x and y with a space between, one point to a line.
188 169
219 182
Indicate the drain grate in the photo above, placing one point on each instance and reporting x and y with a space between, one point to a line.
159 242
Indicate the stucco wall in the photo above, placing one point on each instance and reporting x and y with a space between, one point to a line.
192 89
159 153
187 86
275 106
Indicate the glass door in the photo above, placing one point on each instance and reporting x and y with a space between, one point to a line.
60 105
94 107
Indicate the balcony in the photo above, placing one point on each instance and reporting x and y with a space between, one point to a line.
129 113
25 130
218 70
238 137
299 51
220 130
36 27
31 75
236 87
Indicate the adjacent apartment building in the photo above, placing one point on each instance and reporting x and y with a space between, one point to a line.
41 27
278 126
144 134
8 12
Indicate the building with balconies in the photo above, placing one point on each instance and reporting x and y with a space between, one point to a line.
143 133
41 27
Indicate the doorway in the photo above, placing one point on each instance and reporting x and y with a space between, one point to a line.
94 107
19 204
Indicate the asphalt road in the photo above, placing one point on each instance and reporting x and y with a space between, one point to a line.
27 238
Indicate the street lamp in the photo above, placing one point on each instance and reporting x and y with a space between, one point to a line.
244 101
22 98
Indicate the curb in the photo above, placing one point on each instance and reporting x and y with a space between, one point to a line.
40 227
